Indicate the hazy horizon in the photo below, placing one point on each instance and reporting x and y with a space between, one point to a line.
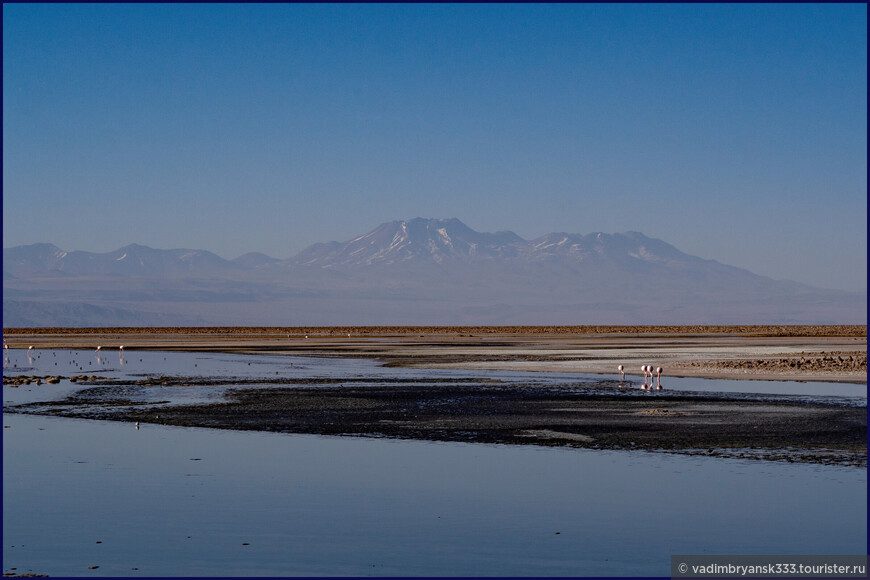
352 237
735 132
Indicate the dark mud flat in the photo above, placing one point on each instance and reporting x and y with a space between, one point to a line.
766 428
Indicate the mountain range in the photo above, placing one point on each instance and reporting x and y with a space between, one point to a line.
414 272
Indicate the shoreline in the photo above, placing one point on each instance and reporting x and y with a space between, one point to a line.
590 413
795 353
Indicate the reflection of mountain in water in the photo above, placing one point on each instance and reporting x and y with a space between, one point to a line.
422 271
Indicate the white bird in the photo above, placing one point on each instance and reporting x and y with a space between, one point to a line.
622 371
6 346
121 347
98 348
29 348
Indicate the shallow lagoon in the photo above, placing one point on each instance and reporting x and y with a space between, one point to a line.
173 501
135 365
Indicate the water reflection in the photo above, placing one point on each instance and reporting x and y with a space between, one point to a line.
205 364
140 364
167 501
208 502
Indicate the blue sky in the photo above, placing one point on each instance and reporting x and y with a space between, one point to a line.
735 132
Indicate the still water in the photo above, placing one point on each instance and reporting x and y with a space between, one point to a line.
138 364
172 501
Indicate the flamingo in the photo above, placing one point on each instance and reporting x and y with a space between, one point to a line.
29 348
659 377
98 349
121 348
622 371
6 346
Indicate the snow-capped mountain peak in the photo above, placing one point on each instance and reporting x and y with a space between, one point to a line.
419 239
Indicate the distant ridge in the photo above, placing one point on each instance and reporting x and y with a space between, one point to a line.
418 271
